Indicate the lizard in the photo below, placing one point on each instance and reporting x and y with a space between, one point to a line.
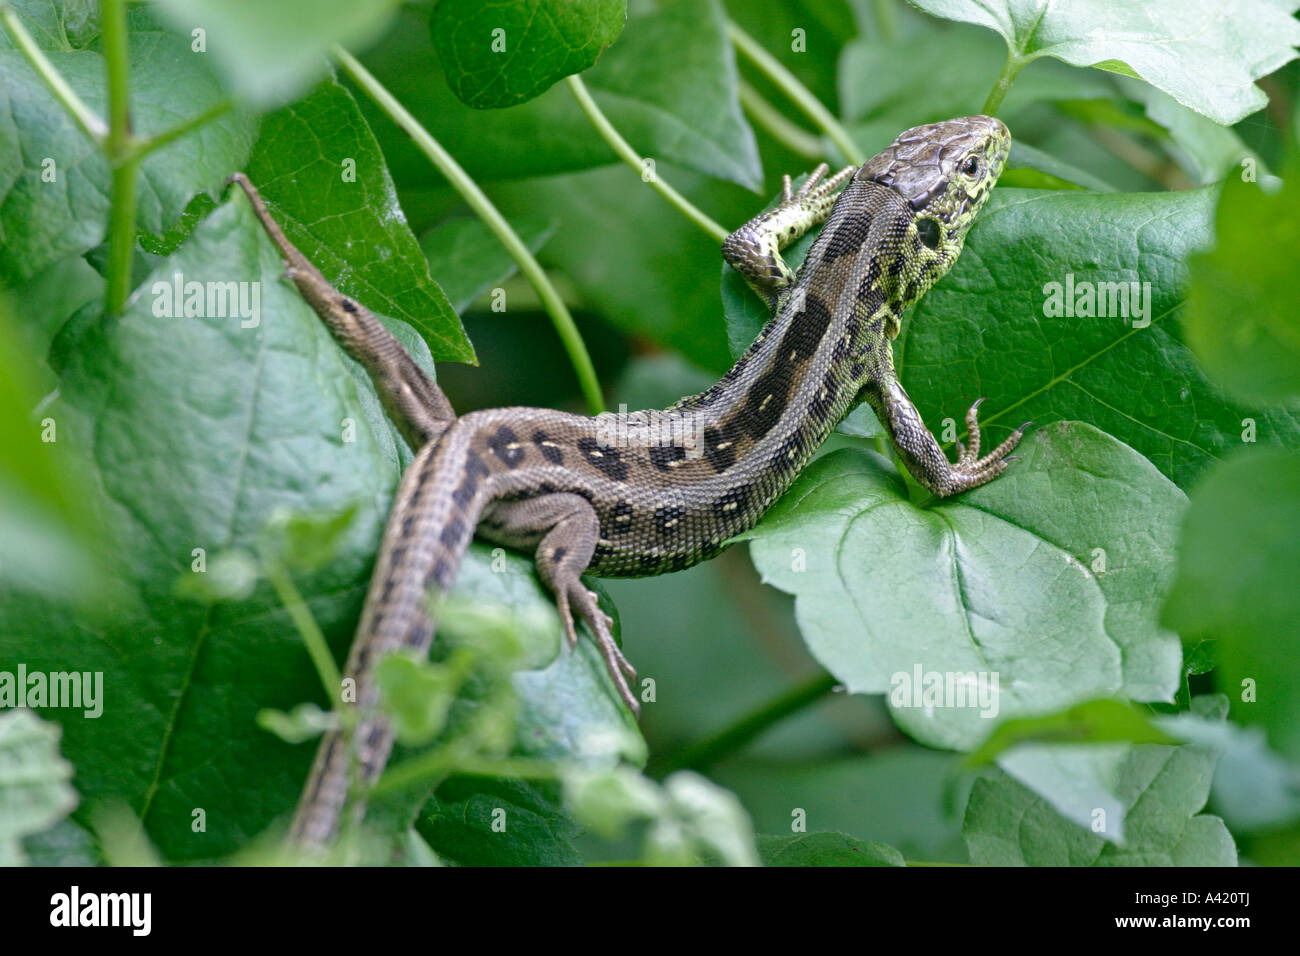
557 484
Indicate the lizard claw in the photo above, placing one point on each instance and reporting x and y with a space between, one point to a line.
586 603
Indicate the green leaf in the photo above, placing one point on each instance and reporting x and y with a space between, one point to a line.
1207 151
34 788
1158 790
825 849
323 177
936 74
1095 721
271 53
43 221
506 53
199 429
1239 548
307 541
304 722
688 115
609 800
1241 317
1253 787
419 693
477 822
991 328
905 796
1047 582
1202 53
466 259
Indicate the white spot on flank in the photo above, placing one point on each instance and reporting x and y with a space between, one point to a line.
763 404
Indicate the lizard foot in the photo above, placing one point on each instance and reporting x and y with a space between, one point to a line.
576 597
971 470
809 192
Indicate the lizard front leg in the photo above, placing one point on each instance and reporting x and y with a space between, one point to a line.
920 450
754 250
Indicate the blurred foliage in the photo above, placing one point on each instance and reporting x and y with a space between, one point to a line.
148 461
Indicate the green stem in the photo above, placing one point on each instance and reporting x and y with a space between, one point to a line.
623 149
1014 64
307 627
483 208
703 754
799 94
788 134
122 160
85 118
886 17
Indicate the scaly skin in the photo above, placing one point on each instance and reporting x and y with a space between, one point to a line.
647 501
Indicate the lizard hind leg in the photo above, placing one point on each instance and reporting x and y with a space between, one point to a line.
566 529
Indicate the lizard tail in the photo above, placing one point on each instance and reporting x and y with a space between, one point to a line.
437 507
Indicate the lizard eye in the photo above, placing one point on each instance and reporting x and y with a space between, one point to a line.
928 231
971 166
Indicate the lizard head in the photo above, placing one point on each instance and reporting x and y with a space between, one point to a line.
945 172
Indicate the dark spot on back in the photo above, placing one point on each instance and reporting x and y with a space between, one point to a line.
669 519
788 455
732 504
348 304
823 399
505 444
766 400
549 448
605 459
806 330
453 533
720 458
662 456
620 521
847 238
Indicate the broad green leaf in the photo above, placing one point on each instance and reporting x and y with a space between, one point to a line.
199 429
990 328
1241 317
1159 789
1207 151
1202 53
271 53
505 53
1096 721
34 781
907 797
323 176
826 849
1024 157
45 546
54 183
885 87
1238 551
688 115
466 259
1254 789
1029 594
478 822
